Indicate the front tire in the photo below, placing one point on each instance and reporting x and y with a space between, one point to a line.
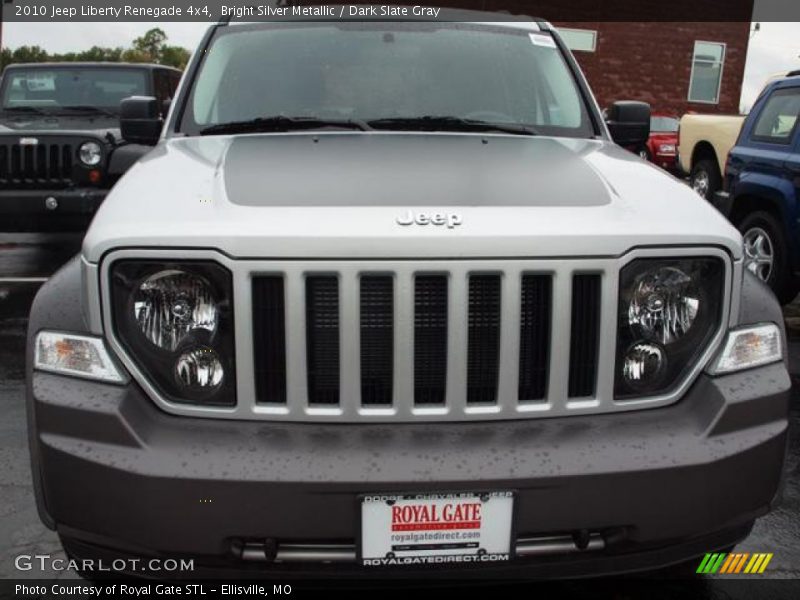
705 178
767 254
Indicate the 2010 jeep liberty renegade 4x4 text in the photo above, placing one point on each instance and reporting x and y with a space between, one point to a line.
386 297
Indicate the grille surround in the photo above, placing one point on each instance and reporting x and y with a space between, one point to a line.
555 404
49 164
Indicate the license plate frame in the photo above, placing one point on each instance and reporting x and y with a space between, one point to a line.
395 529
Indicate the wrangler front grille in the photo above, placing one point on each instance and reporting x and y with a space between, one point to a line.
46 164
356 342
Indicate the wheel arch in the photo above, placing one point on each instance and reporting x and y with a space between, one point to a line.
775 201
745 204
704 150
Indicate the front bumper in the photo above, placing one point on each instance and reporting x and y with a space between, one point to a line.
668 162
118 477
51 203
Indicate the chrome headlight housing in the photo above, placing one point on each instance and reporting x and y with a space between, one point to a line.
669 310
175 322
90 153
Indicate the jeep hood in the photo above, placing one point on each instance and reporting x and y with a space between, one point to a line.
339 194
97 125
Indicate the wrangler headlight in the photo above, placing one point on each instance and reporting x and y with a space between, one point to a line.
669 309
90 153
175 321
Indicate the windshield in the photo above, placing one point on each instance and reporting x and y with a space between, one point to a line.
373 71
55 90
663 125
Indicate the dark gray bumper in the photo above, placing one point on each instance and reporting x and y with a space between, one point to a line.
117 476
118 473
77 201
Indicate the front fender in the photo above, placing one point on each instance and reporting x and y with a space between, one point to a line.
57 306
123 157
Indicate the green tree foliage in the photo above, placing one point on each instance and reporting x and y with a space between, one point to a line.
174 56
149 48
150 44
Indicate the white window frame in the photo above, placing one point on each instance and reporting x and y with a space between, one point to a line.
592 31
721 71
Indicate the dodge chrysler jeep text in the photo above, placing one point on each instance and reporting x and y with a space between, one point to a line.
386 297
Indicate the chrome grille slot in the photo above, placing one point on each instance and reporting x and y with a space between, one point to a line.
483 346
269 334
430 339
534 333
322 339
584 335
377 339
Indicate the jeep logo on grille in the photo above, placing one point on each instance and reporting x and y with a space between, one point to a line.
28 141
449 219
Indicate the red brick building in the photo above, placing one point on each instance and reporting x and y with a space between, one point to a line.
679 55
676 67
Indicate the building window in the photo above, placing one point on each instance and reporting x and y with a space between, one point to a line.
706 78
584 40
778 119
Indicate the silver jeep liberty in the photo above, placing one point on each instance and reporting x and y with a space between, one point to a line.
386 297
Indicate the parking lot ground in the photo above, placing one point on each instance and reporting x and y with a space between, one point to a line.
26 257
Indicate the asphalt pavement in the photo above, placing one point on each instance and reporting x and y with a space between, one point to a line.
28 259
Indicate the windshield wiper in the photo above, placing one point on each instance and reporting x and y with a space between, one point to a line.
281 123
448 123
89 108
25 109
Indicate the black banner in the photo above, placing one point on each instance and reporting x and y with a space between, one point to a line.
651 588
210 11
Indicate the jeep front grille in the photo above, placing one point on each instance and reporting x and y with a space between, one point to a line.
46 164
392 341
428 343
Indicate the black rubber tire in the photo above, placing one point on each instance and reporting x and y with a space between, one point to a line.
781 280
710 167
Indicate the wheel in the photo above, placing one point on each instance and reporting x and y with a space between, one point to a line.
766 254
705 178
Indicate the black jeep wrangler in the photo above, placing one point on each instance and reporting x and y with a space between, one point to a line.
60 146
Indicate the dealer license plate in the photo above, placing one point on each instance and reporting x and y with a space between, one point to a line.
431 529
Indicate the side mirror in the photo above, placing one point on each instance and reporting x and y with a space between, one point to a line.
629 122
140 120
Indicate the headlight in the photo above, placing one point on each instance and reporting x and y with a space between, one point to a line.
171 304
90 153
175 321
663 304
666 149
668 312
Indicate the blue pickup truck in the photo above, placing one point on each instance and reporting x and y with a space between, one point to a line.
762 187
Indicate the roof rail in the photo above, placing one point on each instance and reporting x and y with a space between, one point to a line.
793 73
